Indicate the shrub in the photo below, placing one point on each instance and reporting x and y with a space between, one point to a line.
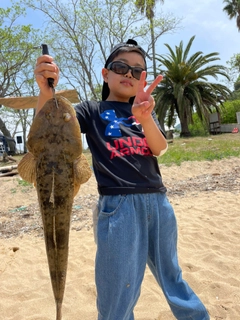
198 128
228 112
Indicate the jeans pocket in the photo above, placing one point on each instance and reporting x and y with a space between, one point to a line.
110 205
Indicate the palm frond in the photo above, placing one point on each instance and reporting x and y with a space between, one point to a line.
186 51
186 87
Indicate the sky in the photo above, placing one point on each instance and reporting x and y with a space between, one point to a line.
213 30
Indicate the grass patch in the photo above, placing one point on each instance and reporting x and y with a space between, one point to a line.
24 186
202 148
23 183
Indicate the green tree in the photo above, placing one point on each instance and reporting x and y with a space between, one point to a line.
185 88
16 51
17 62
83 33
232 8
234 75
228 113
198 128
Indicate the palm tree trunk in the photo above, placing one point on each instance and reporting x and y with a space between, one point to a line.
161 122
184 127
153 47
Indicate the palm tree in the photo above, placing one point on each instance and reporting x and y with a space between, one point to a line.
147 7
185 88
232 8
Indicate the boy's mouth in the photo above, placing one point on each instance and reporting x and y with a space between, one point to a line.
126 83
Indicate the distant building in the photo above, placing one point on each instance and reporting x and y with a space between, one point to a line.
7 144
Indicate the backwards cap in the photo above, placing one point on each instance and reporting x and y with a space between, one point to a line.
129 44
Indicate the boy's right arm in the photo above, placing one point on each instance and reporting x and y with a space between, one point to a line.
45 68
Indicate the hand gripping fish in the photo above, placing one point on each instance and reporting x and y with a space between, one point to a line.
57 167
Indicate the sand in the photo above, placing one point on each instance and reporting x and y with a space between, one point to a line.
206 199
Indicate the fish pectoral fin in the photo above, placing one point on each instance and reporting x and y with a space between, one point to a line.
82 172
27 168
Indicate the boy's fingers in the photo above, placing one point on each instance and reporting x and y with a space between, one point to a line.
44 58
154 84
46 70
44 66
142 81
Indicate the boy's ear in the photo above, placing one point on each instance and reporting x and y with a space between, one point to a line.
145 83
105 74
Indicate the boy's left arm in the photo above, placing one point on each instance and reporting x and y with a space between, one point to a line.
142 108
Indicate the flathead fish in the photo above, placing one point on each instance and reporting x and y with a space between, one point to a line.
57 167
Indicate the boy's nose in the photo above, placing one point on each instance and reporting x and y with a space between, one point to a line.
129 74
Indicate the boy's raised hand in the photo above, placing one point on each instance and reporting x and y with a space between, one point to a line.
46 68
144 103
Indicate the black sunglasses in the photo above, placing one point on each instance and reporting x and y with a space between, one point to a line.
123 68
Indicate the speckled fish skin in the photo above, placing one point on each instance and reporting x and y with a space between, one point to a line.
55 143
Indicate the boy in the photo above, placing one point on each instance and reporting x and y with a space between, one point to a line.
136 223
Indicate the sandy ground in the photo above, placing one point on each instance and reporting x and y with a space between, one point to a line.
206 199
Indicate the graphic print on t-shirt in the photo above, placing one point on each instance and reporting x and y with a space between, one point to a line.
123 146
113 128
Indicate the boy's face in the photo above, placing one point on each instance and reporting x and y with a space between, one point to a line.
123 86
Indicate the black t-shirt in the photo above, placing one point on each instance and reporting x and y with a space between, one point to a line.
122 160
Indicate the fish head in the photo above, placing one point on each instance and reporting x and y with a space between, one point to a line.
57 117
55 128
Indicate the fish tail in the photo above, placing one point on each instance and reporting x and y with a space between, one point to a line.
59 310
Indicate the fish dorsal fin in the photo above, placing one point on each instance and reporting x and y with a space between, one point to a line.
27 168
82 172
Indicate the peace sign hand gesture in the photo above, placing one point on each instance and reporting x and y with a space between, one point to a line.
142 108
144 103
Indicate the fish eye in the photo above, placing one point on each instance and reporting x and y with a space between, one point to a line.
66 116
48 115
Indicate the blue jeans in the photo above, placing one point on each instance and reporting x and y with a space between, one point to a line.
134 230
